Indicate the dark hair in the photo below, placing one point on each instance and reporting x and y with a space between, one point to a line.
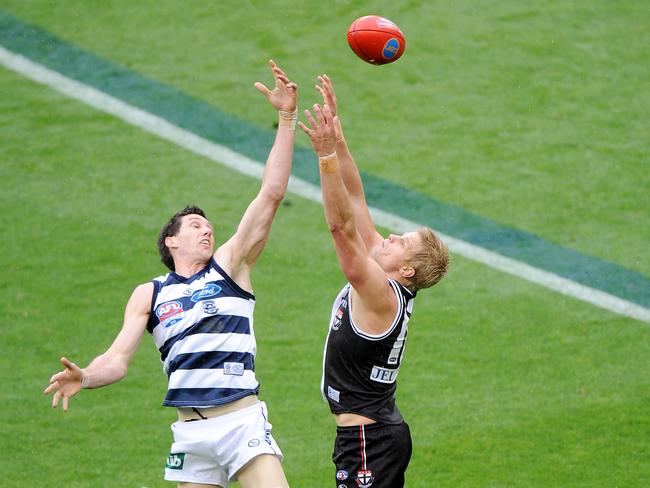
171 228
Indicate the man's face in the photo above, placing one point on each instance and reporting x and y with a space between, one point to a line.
194 239
396 250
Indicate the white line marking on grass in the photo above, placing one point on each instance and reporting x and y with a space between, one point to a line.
240 163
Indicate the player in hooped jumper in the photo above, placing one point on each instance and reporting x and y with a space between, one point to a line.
200 316
368 325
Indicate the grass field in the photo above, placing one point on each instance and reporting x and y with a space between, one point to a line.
532 115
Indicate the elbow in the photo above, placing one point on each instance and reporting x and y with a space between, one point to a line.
118 368
274 195
337 229
342 226
354 275
277 197
121 372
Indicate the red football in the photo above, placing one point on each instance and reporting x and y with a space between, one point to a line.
376 40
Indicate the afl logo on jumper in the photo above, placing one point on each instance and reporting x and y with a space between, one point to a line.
170 312
208 290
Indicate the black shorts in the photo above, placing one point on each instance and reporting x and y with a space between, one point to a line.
374 455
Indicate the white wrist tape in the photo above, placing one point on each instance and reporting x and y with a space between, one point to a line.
288 119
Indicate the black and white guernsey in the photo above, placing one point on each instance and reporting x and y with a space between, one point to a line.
360 369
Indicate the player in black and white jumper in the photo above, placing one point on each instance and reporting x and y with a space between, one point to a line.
200 316
369 320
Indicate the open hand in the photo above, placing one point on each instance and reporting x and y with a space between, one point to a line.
321 130
284 96
66 383
326 89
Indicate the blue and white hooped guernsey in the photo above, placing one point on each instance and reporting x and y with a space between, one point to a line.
203 328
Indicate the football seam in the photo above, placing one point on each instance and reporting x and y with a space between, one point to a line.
377 30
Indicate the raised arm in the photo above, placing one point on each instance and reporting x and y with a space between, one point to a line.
377 302
239 253
349 169
111 366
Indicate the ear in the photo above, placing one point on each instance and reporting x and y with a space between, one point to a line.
170 242
407 271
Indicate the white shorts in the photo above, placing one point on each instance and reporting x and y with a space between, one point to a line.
211 451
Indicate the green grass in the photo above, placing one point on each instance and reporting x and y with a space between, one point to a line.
531 115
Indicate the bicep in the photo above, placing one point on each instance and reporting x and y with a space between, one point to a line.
373 289
364 274
364 223
247 243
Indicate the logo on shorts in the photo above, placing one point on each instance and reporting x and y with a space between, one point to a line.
364 478
342 475
253 443
175 460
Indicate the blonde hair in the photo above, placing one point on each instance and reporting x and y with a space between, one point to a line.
430 261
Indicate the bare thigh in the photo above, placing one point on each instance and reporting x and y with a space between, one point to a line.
263 471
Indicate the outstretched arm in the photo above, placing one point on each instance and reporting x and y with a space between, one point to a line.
241 251
111 366
349 169
378 303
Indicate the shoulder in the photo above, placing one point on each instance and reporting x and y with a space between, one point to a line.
143 293
223 256
239 271
144 287
376 316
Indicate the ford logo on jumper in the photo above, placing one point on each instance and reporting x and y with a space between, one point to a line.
208 290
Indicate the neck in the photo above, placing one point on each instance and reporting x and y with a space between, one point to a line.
405 282
190 268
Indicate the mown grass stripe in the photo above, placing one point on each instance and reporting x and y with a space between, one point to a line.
197 126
